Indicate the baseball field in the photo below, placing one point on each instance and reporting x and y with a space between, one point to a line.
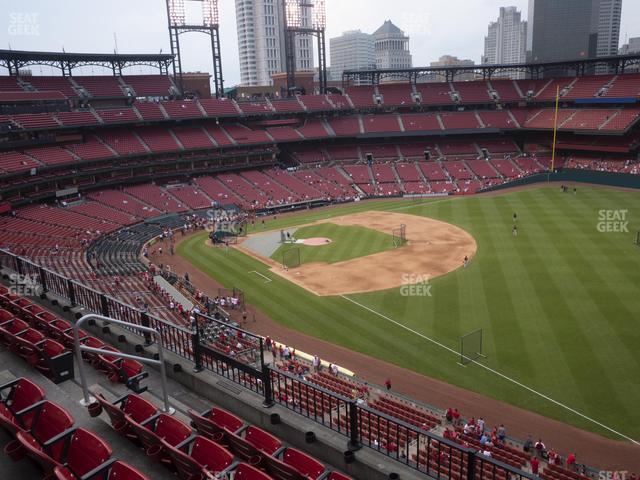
559 303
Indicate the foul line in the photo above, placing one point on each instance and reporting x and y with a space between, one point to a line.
495 372
267 279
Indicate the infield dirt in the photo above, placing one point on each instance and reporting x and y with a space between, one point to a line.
433 248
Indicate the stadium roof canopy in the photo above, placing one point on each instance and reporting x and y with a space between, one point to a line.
14 60
615 63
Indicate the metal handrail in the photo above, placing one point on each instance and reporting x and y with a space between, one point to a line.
88 399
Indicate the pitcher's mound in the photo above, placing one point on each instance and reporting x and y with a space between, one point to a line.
315 241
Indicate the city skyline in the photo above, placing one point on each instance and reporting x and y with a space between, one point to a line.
143 30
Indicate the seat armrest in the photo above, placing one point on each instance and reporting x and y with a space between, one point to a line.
150 419
100 468
9 384
277 453
186 441
59 437
29 408
119 401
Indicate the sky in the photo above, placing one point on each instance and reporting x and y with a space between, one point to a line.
436 27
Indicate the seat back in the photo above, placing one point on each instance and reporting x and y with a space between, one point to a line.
245 471
138 408
263 441
123 471
50 420
5 315
281 471
203 425
23 394
224 419
130 368
303 463
92 342
186 467
241 447
15 326
147 436
171 430
57 327
116 415
209 454
86 452
35 452
51 348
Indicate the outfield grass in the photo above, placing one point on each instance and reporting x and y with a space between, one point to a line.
347 242
559 304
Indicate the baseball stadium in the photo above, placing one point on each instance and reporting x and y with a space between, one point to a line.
424 272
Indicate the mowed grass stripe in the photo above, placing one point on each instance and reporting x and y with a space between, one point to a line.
592 380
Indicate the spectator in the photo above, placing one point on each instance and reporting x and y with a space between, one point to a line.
387 383
571 461
481 424
528 445
456 416
484 439
502 432
449 415
334 369
535 464
540 447
316 363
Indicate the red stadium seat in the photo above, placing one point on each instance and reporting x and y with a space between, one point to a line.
48 351
247 472
75 453
253 442
47 420
11 328
202 458
5 316
305 465
123 471
16 396
92 342
25 344
131 406
212 423
162 430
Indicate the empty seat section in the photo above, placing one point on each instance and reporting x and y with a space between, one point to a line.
59 84
219 107
125 142
90 149
182 109
255 108
287 105
149 111
100 85
149 85
476 91
217 191
193 137
345 126
155 197
380 123
77 118
123 202
244 135
190 196
361 96
396 95
507 90
117 115
51 155
459 120
16 162
313 128
420 122
435 93
158 139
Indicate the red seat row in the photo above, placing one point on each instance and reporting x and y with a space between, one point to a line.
43 340
220 438
44 431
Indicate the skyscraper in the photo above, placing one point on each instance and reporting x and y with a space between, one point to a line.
391 48
572 29
261 41
353 50
506 39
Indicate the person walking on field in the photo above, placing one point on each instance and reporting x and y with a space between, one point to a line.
515 231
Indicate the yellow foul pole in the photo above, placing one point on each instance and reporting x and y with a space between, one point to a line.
555 130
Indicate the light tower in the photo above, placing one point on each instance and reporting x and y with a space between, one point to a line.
304 17
177 18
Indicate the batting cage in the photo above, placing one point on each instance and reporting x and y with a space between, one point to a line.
291 258
400 236
471 347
